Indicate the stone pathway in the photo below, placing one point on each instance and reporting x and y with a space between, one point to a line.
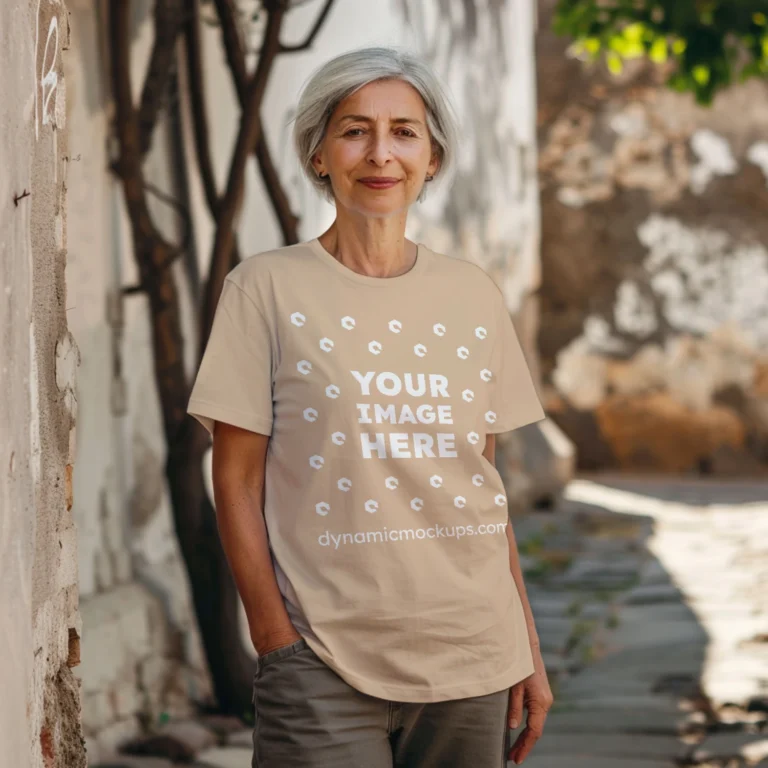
665 586
651 600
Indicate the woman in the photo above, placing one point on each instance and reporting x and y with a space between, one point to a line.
354 385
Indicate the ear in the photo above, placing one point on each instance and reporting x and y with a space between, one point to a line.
434 164
317 163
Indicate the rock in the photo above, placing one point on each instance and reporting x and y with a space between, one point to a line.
549 461
657 432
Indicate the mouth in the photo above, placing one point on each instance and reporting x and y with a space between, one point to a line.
379 182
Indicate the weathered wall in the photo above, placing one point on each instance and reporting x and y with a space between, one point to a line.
654 327
40 628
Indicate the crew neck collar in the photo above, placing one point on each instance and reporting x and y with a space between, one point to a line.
380 282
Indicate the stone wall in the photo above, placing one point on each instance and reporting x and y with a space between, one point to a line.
40 703
654 324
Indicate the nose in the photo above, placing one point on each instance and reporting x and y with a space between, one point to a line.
380 149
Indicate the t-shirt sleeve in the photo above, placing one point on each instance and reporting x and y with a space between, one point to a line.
234 380
513 395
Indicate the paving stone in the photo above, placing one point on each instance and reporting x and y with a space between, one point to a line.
753 746
195 736
555 663
225 757
554 632
600 720
610 745
552 606
129 761
658 626
647 594
594 686
223 724
568 761
620 701
597 573
653 572
243 738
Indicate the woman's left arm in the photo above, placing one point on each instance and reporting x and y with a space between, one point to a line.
534 691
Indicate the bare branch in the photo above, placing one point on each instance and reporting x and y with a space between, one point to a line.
287 220
313 32
248 136
153 254
181 211
193 58
233 45
169 18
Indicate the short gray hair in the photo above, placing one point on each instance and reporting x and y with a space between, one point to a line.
340 77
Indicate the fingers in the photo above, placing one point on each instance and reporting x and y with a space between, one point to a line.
516 705
523 745
530 735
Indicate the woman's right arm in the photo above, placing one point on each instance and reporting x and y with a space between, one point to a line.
239 459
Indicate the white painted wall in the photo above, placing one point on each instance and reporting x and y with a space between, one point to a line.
40 626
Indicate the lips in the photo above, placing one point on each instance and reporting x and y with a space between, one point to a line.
379 182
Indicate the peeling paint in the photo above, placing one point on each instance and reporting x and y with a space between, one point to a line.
715 159
758 154
705 279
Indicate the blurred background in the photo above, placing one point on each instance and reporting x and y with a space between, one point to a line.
613 180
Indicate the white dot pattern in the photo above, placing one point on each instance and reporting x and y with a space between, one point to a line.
333 391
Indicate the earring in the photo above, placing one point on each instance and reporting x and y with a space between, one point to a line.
322 175
429 178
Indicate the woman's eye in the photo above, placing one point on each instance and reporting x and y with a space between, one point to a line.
351 132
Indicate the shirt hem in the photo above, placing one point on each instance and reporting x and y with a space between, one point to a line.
421 695
498 428
211 412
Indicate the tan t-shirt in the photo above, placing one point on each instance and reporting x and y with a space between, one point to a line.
386 522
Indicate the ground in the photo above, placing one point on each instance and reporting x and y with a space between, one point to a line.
651 601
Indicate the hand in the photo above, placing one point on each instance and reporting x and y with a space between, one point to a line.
533 692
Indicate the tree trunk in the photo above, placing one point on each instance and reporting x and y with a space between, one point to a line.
213 589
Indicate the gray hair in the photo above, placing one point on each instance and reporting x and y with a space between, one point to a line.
340 77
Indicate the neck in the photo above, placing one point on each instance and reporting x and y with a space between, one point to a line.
373 247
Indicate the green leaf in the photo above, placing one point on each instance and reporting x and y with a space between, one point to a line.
634 32
591 45
679 45
614 62
633 50
759 18
658 52
701 74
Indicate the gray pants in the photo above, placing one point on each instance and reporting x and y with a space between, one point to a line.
307 716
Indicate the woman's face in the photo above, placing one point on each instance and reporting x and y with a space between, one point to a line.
377 149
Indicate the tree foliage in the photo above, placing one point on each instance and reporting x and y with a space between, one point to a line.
710 43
